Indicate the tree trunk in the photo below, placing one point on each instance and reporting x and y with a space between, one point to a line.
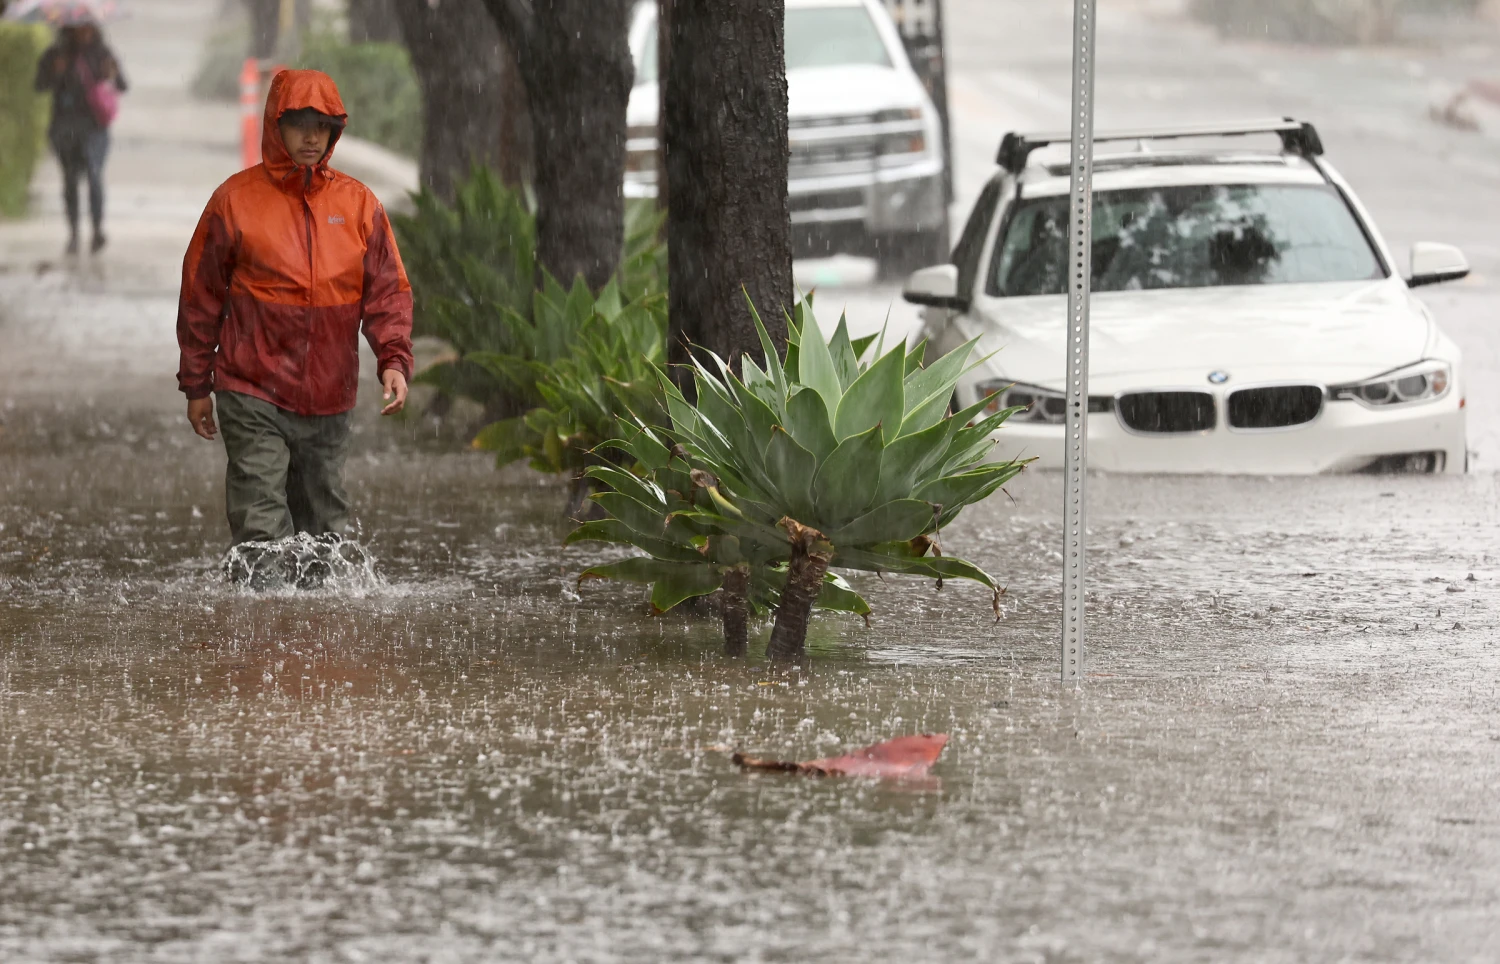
663 57
574 56
734 603
578 77
728 226
374 21
517 154
265 26
457 54
811 555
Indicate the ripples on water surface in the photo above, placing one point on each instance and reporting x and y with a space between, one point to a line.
1288 750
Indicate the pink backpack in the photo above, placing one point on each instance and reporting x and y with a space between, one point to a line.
103 96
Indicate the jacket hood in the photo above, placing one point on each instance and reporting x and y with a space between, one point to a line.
294 90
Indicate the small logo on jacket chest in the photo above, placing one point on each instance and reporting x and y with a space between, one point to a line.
335 219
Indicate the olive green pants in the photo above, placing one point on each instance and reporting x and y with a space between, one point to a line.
285 470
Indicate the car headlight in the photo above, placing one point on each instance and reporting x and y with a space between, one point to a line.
1042 404
913 143
1421 382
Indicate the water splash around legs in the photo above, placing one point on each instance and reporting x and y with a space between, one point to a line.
302 561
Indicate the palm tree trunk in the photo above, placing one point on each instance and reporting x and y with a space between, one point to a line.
811 555
734 603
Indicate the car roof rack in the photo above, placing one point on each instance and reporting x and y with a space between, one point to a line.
1297 137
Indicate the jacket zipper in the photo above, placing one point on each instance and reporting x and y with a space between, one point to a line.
312 281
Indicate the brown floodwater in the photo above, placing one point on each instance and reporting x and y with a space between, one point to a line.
1286 749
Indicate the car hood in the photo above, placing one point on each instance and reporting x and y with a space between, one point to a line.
1319 331
814 92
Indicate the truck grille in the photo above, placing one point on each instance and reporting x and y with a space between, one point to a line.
820 153
1167 412
1278 407
827 201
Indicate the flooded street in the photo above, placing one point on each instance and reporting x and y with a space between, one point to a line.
1287 749
1288 738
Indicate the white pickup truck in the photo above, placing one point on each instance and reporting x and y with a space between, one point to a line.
867 169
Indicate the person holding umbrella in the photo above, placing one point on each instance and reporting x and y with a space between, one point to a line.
84 78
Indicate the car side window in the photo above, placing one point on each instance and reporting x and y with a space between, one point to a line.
970 245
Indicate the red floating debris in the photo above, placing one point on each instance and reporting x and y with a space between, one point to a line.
902 758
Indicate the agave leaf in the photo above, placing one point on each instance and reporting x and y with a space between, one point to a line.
759 418
837 597
745 529
952 567
936 381
615 531
644 447
875 398
686 583
773 360
914 358
639 569
807 419
601 530
862 344
846 481
649 521
845 361
912 458
642 490
956 491
759 383
995 481
935 567
791 468
897 521
815 368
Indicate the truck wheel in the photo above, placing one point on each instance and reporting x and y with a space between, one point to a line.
899 254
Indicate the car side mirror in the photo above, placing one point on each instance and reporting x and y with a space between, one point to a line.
935 287
1435 263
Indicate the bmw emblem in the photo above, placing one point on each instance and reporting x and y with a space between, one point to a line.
1218 378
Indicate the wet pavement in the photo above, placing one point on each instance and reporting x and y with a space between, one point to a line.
1286 750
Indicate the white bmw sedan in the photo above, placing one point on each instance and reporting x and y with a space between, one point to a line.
1246 315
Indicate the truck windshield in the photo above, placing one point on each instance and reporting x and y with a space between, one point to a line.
1196 236
815 37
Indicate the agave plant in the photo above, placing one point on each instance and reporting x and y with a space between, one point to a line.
819 460
662 511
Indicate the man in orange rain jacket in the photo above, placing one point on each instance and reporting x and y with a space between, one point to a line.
289 260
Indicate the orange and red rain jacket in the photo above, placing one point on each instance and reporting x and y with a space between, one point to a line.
285 264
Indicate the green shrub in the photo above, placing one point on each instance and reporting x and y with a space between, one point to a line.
378 86
472 266
822 460
588 361
23 113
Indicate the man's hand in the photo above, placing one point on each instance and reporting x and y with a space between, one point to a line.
395 384
201 417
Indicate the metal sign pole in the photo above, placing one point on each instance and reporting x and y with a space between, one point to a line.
1080 230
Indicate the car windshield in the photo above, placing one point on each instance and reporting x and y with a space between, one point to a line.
1197 236
815 37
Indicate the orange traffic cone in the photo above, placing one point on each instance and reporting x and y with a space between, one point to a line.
250 113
